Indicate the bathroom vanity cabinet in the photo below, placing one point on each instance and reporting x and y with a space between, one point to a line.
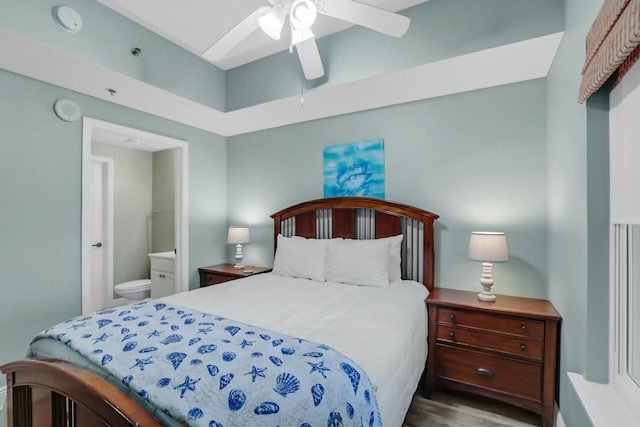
163 279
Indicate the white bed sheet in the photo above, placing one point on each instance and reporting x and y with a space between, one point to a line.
384 330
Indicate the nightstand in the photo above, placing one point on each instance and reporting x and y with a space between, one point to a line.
506 350
215 274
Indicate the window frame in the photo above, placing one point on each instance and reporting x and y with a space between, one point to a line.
627 390
624 155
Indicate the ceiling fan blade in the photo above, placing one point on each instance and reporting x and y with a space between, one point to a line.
377 19
310 59
235 36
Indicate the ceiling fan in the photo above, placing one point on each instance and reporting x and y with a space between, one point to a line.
301 15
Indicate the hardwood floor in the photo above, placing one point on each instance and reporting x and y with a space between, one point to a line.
454 409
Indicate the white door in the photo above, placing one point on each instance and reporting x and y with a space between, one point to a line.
101 226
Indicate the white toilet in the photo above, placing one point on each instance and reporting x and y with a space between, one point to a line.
134 290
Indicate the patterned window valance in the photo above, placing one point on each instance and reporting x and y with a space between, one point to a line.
613 45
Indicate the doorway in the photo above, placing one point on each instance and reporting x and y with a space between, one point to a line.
101 228
98 249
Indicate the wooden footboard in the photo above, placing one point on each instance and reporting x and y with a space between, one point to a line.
47 392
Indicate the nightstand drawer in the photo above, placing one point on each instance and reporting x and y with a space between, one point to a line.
528 348
518 378
207 279
491 322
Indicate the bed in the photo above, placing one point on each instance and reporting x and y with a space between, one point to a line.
379 329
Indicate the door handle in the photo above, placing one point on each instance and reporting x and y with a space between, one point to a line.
97 245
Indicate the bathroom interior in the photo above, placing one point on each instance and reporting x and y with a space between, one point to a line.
143 220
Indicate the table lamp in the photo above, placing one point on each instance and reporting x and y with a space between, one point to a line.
488 247
238 236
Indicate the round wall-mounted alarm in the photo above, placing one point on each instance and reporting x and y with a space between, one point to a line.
67 110
68 18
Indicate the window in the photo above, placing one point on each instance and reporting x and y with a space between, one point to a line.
633 301
624 149
626 320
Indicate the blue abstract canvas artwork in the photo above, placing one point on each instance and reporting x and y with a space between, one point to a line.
354 169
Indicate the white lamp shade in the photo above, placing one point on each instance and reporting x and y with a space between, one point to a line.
238 235
488 246
272 22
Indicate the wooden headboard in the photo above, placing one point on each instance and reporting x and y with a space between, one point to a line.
365 218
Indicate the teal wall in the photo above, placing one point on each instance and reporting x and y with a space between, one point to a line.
477 159
524 158
40 212
440 29
107 38
40 160
560 255
578 199
598 224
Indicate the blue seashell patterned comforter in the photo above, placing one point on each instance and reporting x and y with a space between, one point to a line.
206 370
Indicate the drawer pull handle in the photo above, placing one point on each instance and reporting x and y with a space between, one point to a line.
523 328
452 317
523 347
484 372
452 335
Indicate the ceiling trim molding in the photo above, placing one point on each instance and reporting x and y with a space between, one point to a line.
511 63
516 62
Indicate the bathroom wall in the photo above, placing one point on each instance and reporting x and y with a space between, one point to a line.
132 205
163 211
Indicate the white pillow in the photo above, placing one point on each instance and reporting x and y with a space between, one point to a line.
395 257
300 257
358 262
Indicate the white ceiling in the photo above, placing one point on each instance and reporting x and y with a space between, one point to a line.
196 25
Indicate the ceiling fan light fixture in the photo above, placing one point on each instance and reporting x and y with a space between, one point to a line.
303 14
272 22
